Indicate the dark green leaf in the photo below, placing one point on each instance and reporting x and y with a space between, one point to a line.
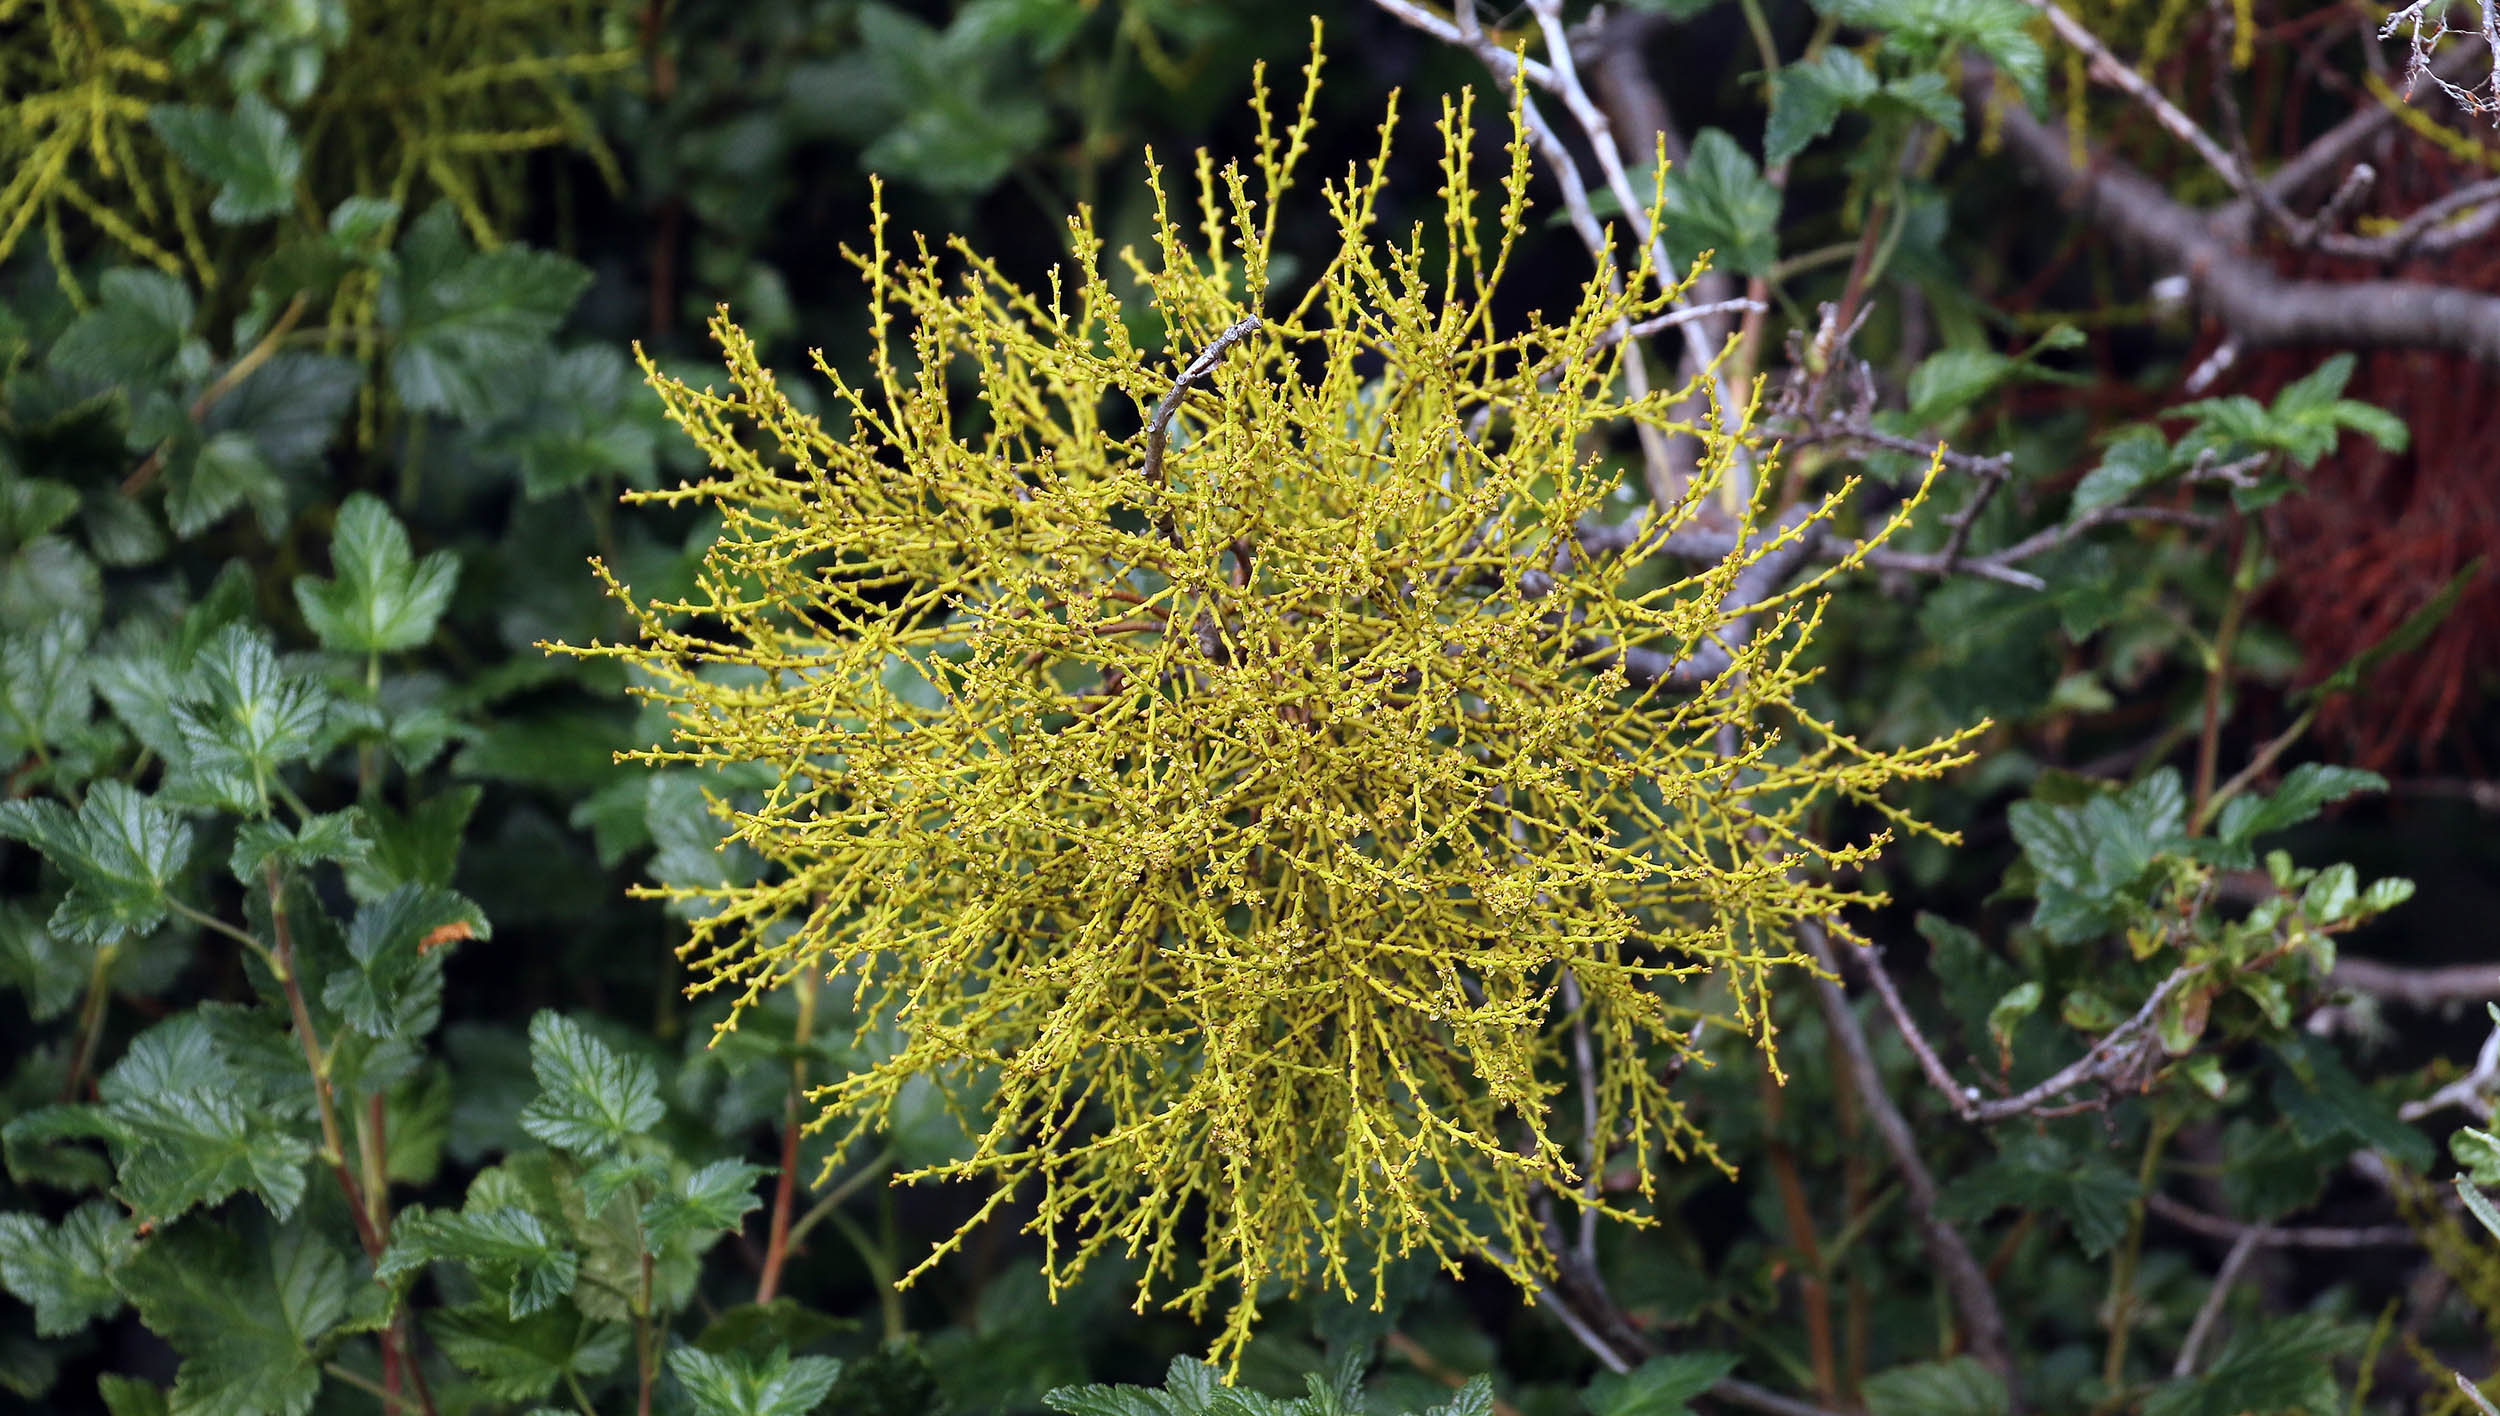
331 836
186 1131
139 328
381 600
50 971
732 1385
757 1328
1718 201
421 847
47 577
522 1359
251 1320
504 1246
2284 1367
590 1100
289 408
121 852
2323 1100
2136 458
1960 1387
1809 96
248 155
591 419
1951 380
2039 1172
31 506
129 1396
397 946
1660 1386
225 471
470 325
66 1273
708 1202
567 750
46 693
241 720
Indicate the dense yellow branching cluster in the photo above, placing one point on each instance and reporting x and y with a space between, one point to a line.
415 100
1246 824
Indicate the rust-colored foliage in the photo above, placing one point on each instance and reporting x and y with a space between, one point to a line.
2380 533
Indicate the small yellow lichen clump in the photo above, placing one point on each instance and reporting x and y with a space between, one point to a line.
1247 815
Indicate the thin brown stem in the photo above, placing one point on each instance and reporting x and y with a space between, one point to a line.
236 372
333 1149
1814 1294
90 1021
777 1240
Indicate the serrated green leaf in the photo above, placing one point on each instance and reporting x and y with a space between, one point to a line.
1927 95
419 847
121 852
31 506
1660 1386
289 408
381 600
331 836
734 1385
620 1172
2287 1366
225 471
1809 96
358 223
710 1201
1924 30
46 693
591 419
186 1129
248 154
50 971
241 720
2039 1172
2305 791
2323 1100
397 945
757 1328
47 577
1960 1387
504 1246
464 322
253 1317
137 330
1718 201
65 1273
522 1359
2135 458
590 1100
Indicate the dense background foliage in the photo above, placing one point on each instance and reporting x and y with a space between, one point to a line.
342 1072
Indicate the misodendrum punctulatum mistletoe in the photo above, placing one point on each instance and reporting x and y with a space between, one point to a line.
1253 806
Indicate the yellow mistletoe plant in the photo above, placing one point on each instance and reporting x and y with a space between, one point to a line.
1229 755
